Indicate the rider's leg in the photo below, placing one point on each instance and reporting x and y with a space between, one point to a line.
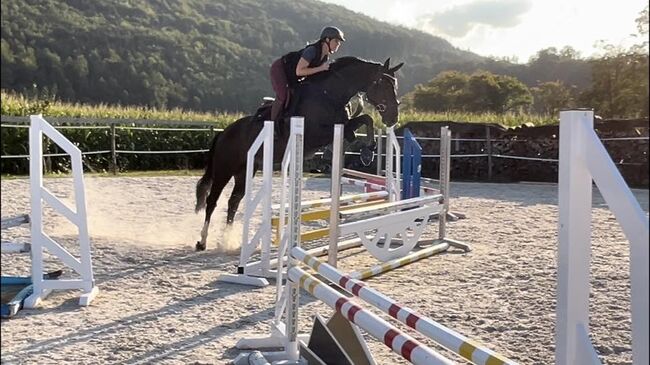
280 86
276 109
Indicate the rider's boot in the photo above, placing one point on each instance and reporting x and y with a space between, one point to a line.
276 110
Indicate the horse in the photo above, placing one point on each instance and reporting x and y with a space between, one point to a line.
322 102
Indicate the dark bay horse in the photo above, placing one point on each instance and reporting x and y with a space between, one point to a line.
322 102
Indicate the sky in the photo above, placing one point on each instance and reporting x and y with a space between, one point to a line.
516 29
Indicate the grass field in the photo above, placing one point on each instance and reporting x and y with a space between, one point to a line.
19 105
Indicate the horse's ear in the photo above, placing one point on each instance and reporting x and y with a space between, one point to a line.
387 63
394 69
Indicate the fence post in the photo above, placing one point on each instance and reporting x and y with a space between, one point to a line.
488 145
113 152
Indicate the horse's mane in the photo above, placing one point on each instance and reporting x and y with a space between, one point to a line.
339 64
346 61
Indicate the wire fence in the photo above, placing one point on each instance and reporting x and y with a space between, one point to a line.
115 125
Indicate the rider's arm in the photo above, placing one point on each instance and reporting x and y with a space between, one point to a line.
307 56
303 68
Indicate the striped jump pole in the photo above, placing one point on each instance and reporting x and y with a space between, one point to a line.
314 216
401 343
362 183
379 269
381 180
363 175
343 201
355 214
446 337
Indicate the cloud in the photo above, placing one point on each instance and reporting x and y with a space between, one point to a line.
460 20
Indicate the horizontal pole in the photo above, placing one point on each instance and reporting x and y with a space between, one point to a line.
66 284
317 251
401 343
385 208
362 183
343 200
312 216
324 213
362 174
384 267
15 221
450 339
15 247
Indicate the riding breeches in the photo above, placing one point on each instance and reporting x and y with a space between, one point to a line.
280 87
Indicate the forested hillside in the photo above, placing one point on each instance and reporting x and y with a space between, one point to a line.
207 54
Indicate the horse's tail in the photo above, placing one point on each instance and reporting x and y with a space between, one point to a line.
204 183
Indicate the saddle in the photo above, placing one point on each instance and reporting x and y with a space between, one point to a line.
305 89
264 111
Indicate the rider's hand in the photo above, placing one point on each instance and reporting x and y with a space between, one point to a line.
325 66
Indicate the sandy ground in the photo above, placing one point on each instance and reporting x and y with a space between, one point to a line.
159 302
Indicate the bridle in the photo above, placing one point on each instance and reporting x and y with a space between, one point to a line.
380 107
384 77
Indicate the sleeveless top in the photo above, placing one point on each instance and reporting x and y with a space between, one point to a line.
290 62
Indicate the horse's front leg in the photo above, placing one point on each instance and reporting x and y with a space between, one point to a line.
369 146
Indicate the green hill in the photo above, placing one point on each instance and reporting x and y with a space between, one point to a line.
204 54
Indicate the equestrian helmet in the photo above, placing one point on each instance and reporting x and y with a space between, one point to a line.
332 33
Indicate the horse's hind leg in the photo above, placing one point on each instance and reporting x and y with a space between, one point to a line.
217 187
236 196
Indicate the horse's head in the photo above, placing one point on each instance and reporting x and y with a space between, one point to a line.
378 81
382 93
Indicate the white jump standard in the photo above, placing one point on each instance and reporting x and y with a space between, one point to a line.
284 332
381 225
389 230
583 158
40 241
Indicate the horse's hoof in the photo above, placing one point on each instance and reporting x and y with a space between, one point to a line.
366 156
200 246
327 154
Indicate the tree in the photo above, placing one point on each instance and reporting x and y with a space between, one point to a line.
430 100
569 53
488 92
550 97
445 92
480 92
514 95
620 84
7 58
620 78
642 25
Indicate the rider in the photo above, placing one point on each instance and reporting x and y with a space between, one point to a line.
291 68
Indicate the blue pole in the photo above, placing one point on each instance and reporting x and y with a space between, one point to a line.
411 166
407 172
